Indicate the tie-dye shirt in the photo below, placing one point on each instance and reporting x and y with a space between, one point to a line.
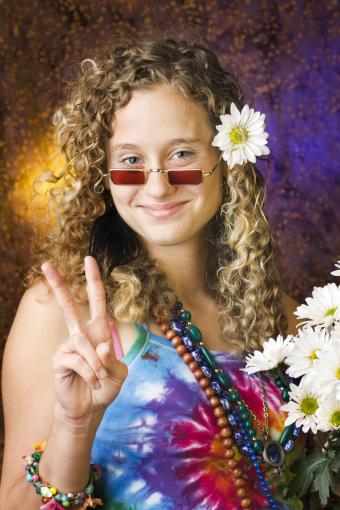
158 445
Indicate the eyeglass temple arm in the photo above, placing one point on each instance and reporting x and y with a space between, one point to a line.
206 174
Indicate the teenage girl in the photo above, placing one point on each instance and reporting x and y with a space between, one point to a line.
155 232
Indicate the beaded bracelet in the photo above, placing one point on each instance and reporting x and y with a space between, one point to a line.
52 499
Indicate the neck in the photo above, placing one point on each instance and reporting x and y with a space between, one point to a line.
185 266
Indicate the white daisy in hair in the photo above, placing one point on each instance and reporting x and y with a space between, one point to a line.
304 402
322 308
273 353
328 414
327 368
336 272
308 344
241 136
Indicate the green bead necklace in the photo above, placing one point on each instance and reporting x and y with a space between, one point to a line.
273 452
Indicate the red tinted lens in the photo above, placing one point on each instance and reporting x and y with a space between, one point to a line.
177 177
127 177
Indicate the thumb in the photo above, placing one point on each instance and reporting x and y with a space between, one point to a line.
116 369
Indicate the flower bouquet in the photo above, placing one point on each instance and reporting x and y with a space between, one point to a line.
307 367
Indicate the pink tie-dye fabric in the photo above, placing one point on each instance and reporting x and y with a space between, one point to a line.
158 444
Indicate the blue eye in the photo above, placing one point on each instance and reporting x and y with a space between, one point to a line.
128 160
187 154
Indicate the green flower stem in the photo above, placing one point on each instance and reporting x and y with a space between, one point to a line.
281 375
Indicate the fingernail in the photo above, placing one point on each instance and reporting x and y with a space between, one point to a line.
102 373
45 268
106 346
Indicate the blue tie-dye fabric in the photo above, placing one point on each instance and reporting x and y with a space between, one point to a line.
158 445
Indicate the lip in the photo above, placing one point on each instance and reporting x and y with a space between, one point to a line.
163 210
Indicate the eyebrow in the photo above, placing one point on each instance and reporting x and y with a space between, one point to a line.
175 141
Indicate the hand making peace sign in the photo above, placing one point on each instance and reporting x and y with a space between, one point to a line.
87 374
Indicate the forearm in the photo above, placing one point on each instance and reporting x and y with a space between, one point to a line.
65 462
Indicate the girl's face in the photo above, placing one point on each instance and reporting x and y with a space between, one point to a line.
160 128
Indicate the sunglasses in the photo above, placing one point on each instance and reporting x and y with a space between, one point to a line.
176 177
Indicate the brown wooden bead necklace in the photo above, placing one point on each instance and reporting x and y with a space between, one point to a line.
226 431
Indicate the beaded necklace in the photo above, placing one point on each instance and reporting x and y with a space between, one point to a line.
234 418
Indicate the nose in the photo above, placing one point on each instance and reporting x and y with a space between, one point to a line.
157 184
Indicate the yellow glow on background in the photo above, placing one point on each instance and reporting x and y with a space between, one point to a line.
29 198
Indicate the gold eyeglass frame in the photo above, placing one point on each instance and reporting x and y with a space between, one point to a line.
164 171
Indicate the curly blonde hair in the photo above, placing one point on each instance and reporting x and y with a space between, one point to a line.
242 276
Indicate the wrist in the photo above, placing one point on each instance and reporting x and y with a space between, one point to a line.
51 495
83 425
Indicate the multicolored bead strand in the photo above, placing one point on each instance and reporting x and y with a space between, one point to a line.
51 497
231 412
222 422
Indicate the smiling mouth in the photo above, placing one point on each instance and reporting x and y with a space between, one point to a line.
162 211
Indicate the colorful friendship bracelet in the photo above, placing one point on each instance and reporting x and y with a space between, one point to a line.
52 498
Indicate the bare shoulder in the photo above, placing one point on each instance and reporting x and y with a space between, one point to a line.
38 302
289 307
37 329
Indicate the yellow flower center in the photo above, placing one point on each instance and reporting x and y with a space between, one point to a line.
331 311
314 355
335 418
309 405
337 373
238 135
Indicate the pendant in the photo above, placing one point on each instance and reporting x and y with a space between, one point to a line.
273 453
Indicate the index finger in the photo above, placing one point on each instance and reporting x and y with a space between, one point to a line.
63 296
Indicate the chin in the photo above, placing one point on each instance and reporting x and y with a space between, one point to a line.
168 237
164 240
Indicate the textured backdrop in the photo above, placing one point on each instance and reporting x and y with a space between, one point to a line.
285 55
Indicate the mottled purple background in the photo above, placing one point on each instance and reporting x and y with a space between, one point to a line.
283 51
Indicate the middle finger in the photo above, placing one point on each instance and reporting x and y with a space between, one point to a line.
95 289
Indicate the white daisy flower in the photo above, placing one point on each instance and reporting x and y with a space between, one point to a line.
336 273
305 400
328 414
322 308
241 136
327 368
335 332
305 350
274 352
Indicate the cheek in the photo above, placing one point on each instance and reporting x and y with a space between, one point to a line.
123 199
213 196
122 196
